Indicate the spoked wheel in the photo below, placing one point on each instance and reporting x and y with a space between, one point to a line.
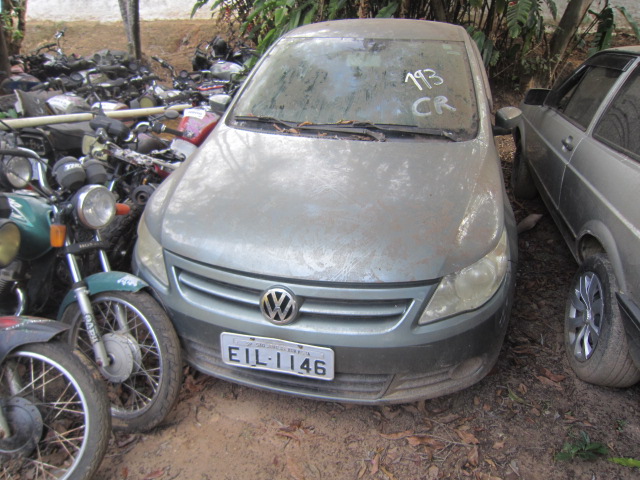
57 414
145 370
595 339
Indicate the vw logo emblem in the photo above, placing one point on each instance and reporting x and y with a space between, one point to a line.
279 306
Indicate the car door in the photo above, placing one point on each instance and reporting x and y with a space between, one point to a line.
563 121
601 183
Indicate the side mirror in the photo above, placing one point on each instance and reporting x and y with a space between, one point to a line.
506 119
536 96
219 102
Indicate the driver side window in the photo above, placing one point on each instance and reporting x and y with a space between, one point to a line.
618 125
579 97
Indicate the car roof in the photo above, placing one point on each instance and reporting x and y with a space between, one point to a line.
633 49
394 28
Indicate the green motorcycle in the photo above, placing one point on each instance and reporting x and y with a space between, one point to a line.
62 263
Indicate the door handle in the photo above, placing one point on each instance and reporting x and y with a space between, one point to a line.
567 143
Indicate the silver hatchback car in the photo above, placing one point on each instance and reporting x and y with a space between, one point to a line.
579 146
344 232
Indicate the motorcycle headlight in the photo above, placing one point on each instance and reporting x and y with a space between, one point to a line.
16 171
149 253
470 287
9 242
95 206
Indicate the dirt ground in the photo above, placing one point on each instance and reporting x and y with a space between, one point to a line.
509 426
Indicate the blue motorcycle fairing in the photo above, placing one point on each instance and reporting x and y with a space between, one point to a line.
105 282
28 330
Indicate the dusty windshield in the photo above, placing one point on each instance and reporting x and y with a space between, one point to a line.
419 84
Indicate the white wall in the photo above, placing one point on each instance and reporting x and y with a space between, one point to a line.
109 11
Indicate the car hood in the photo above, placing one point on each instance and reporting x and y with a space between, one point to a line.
310 208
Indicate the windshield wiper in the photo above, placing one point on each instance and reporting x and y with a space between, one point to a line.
324 127
255 118
431 132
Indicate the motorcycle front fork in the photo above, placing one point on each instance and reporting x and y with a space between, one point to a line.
83 297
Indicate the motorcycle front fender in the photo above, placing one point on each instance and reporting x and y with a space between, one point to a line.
105 282
26 330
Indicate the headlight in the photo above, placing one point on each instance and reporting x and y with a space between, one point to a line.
95 206
9 242
149 253
470 287
17 171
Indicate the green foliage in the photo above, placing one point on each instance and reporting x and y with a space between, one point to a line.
388 11
11 113
518 16
486 46
630 21
604 32
509 33
9 20
583 448
626 462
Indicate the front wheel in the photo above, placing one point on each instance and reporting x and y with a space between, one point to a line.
57 412
145 370
595 339
521 182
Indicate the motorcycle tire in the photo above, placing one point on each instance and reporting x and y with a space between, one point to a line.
145 375
59 419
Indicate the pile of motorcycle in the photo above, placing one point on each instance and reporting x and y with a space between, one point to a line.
110 80
71 195
54 420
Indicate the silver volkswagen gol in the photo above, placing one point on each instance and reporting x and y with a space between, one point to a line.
579 146
344 233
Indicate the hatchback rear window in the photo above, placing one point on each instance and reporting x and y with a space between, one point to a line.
422 84
618 126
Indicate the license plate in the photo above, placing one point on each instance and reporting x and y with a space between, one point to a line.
277 356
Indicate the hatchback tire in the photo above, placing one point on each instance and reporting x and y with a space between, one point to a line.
521 180
595 339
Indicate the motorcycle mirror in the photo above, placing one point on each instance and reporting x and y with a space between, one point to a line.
171 114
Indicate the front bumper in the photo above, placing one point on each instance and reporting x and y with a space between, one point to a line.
381 354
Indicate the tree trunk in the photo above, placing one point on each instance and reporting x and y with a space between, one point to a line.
16 42
5 67
130 11
439 12
569 23
364 10
404 8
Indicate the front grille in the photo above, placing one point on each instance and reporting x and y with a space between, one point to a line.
365 306
200 290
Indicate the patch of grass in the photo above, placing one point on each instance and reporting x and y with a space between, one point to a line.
583 448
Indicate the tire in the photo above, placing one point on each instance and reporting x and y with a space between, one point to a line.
595 339
144 379
60 420
521 181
